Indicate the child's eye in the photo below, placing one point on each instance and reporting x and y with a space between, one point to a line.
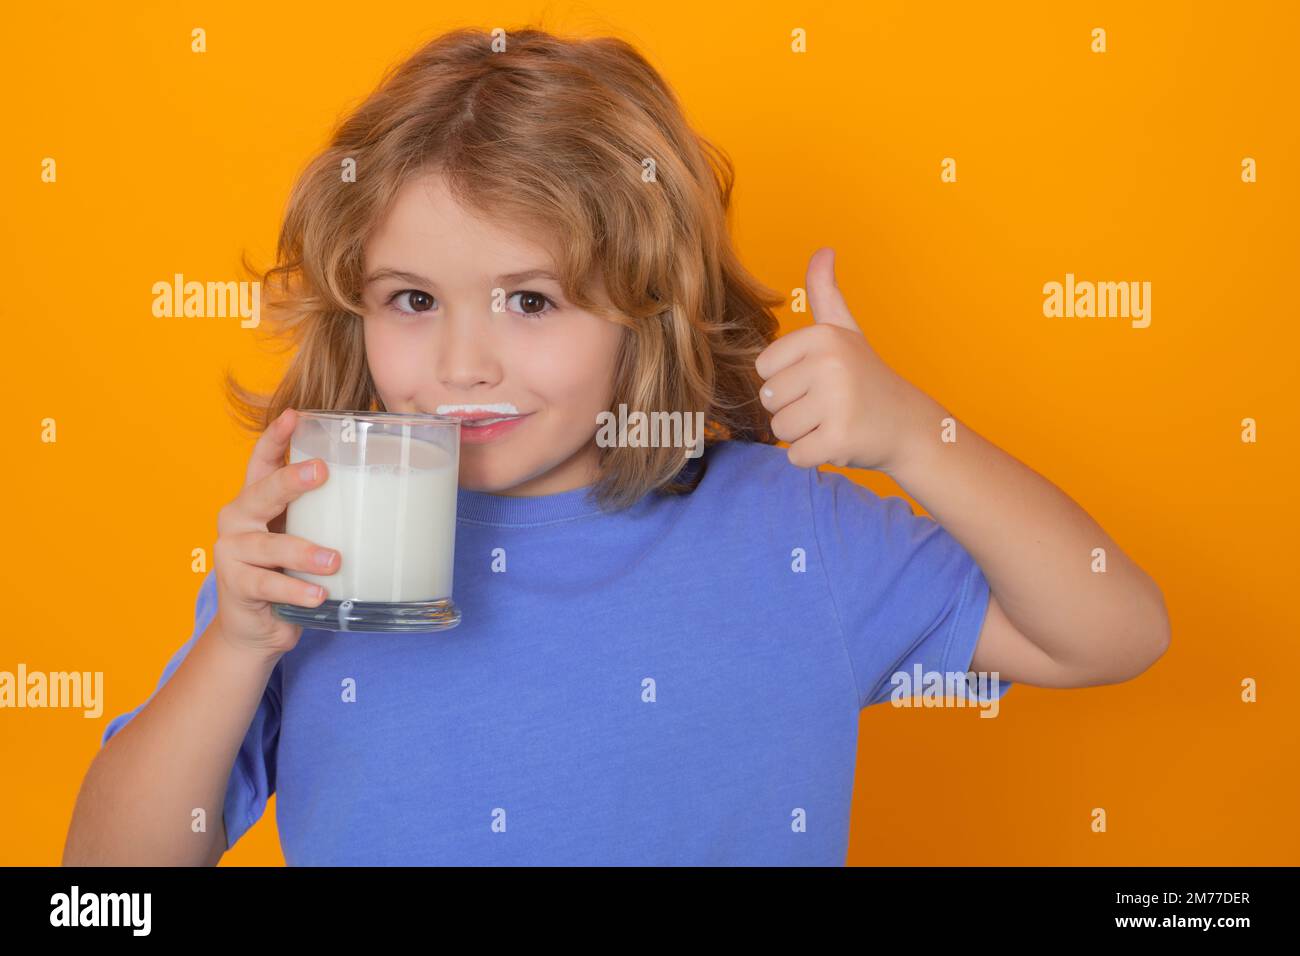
420 302
535 302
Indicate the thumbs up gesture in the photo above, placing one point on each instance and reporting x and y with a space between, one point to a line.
833 398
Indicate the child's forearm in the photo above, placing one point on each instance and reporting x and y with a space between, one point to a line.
1036 547
137 803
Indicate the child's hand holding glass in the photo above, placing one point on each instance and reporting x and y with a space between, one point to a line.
251 550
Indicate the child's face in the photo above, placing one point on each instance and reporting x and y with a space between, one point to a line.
433 341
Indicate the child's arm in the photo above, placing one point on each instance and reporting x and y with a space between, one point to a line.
178 754
1054 618
136 805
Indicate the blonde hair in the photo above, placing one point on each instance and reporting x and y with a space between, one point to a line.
551 136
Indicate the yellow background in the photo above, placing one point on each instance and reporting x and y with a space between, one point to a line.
1117 166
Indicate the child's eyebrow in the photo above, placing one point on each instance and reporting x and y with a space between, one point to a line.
379 274
412 277
526 275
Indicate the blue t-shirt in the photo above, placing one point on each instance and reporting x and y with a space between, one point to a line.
678 683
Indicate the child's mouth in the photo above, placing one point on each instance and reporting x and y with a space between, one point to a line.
481 430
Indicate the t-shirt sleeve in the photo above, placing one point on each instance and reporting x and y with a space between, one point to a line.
906 592
252 779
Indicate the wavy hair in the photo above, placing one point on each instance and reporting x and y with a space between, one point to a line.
557 134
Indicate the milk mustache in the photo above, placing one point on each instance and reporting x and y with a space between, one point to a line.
393 520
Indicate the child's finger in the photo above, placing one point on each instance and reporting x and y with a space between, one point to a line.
796 420
824 296
268 452
787 350
267 498
788 385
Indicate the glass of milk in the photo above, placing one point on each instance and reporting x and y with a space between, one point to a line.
388 506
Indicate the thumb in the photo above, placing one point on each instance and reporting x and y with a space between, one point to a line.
824 298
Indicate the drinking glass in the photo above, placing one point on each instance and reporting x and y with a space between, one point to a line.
388 506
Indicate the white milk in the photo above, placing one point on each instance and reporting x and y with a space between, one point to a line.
394 523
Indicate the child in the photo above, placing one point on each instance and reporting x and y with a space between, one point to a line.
663 654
